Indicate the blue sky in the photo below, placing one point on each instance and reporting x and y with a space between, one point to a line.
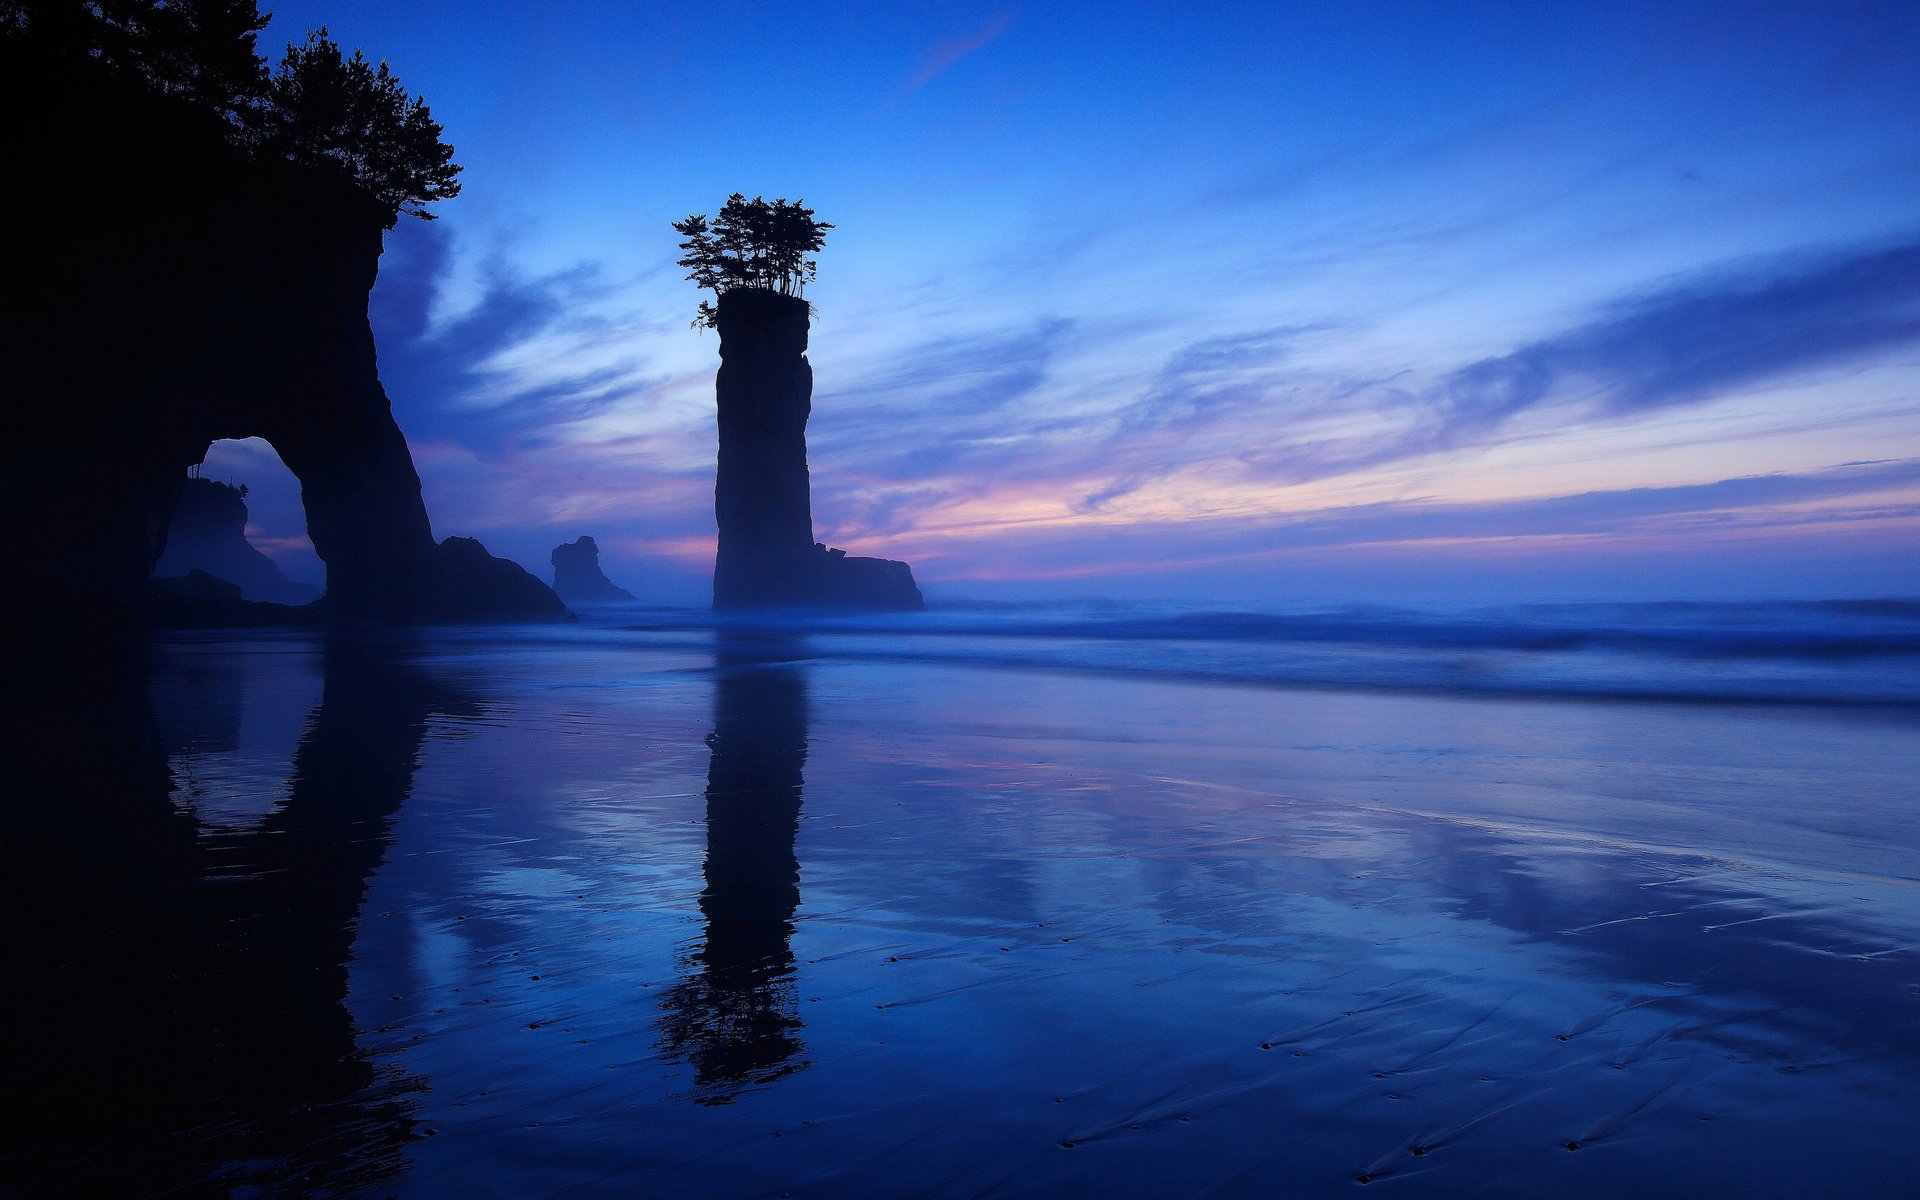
1275 302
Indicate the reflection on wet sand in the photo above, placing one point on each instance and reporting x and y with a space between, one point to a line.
734 1016
179 1017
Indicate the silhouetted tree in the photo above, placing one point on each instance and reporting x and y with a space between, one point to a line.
320 110
346 113
199 51
751 244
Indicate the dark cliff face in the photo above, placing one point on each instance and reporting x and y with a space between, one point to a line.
577 577
762 498
209 533
173 293
474 585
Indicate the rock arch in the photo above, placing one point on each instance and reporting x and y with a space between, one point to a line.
219 300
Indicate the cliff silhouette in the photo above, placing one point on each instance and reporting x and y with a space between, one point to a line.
762 490
171 287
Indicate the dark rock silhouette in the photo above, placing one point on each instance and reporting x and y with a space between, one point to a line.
475 584
577 577
209 533
167 291
196 586
198 600
762 496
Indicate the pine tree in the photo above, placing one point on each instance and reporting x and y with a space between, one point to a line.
198 58
750 244
329 111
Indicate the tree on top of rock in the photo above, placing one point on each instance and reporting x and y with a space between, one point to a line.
349 115
196 59
751 244
198 52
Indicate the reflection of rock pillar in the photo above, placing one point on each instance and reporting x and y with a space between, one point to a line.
760 495
753 814
736 1017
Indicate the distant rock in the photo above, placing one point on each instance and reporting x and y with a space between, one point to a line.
470 585
762 492
198 600
209 533
577 577
197 585
475 585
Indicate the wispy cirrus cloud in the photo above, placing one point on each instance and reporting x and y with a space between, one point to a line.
1696 340
1044 431
1685 344
948 51
960 422
1717 513
529 354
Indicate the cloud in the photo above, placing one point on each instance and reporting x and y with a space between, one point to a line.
1052 444
1696 341
489 374
932 408
1212 376
1048 423
1216 400
1242 382
1870 496
949 51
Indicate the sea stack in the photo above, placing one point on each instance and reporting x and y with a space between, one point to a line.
209 533
577 577
761 498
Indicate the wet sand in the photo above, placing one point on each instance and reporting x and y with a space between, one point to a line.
574 915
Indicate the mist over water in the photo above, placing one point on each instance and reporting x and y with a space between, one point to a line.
1848 652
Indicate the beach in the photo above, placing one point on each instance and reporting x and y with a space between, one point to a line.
656 904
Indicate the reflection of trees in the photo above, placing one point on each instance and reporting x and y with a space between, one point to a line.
180 992
735 1016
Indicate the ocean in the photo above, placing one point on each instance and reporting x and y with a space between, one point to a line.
999 900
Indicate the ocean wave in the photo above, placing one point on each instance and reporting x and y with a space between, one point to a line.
1847 652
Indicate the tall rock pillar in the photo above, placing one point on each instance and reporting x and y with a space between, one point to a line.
761 495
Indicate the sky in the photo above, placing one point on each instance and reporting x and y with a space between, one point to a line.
1254 303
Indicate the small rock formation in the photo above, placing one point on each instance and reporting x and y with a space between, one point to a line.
209 533
476 585
198 600
199 587
577 577
761 497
